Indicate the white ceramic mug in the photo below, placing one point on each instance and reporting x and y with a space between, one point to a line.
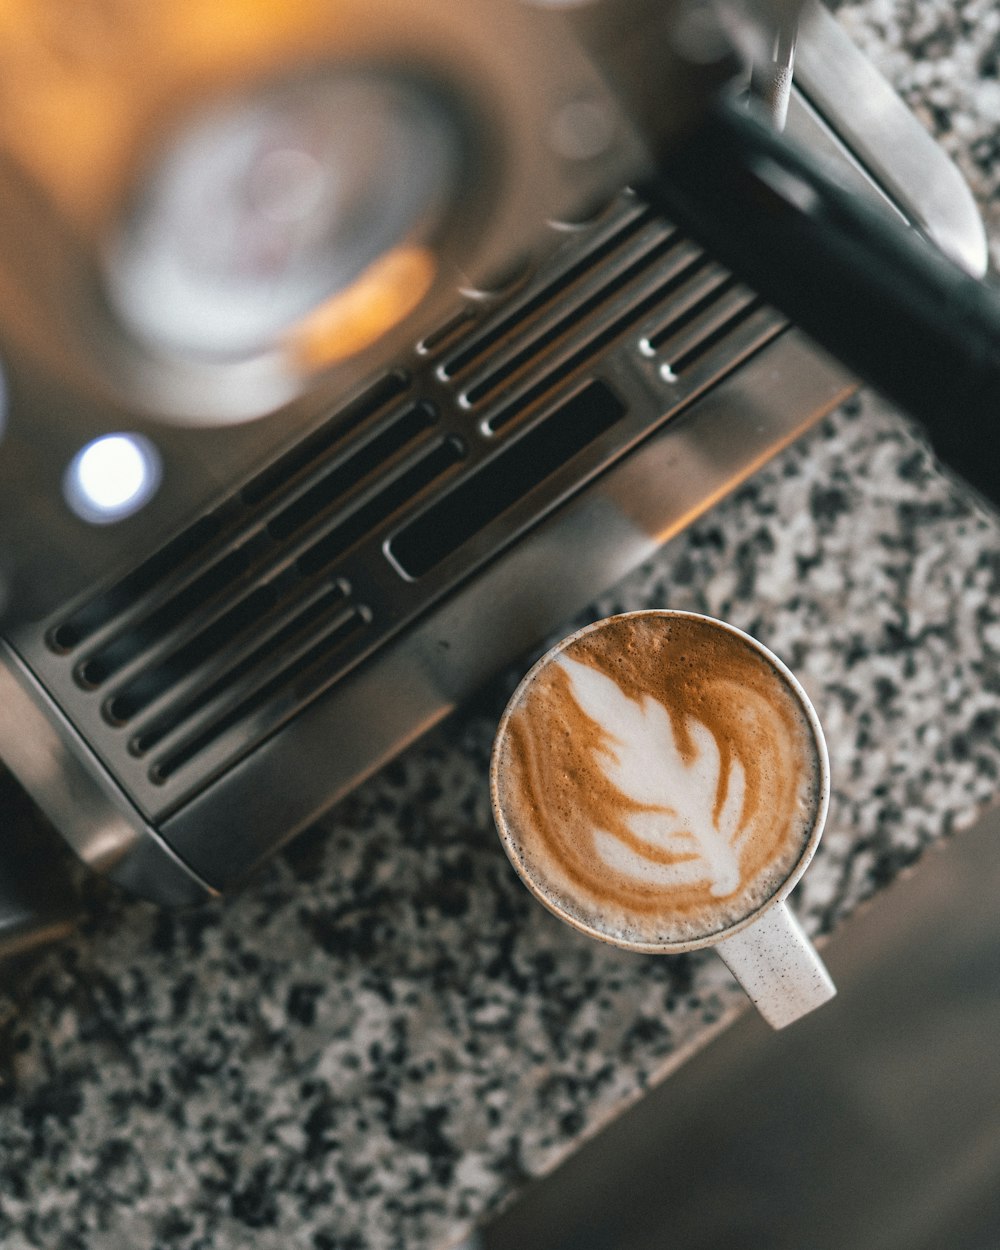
765 947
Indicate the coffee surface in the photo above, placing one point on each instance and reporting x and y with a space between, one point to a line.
658 778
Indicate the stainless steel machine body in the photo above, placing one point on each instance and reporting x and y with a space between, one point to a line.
310 592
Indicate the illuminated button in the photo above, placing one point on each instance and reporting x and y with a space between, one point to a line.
112 478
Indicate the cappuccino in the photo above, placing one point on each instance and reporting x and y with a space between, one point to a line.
658 778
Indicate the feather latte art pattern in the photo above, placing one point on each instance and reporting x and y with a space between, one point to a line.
687 808
659 780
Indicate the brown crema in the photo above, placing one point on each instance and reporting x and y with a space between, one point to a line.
557 799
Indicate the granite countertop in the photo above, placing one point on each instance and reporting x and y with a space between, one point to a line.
384 1037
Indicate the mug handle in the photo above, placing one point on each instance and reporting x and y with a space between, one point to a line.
778 967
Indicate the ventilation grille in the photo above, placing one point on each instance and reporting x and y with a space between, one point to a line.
640 278
230 628
215 641
467 509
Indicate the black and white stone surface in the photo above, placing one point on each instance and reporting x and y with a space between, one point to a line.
384 1037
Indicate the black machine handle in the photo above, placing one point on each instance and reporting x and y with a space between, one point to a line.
870 290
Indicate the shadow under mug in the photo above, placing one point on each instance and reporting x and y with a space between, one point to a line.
766 950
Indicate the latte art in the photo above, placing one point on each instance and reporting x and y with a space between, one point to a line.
684 815
658 778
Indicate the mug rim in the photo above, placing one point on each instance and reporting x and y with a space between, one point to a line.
678 946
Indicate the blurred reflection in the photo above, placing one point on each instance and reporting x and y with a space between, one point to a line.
265 207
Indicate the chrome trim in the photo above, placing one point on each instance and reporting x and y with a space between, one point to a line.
60 772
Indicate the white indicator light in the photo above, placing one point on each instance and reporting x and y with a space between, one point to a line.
112 477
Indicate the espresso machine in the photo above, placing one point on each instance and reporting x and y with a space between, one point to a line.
347 349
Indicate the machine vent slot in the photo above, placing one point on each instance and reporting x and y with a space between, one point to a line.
442 457
457 326
469 507
238 623
346 475
691 273
564 325
305 455
102 664
258 704
246 670
250 613
558 293
694 332
98 612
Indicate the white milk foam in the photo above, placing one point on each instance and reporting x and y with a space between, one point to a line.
645 764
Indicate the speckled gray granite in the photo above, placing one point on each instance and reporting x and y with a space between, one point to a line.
384 1037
